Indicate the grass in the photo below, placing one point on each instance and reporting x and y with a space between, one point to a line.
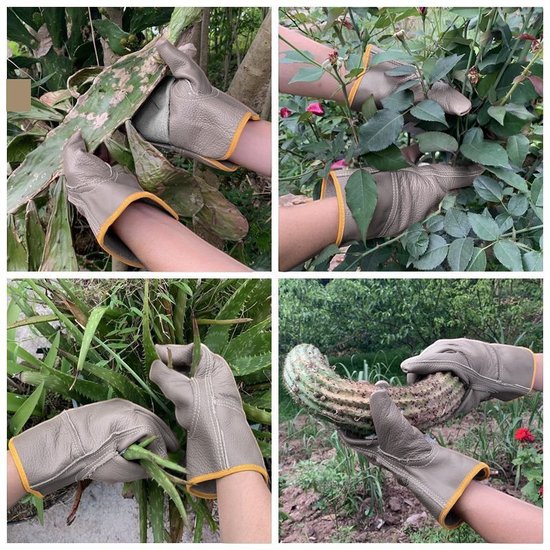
429 535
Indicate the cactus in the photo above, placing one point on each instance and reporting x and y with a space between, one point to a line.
315 385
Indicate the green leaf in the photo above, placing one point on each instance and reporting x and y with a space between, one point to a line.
89 332
484 227
511 178
25 411
437 252
498 113
401 70
429 110
388 160
416 241
456 223
39 111
436 141
460 254
148 17
361 198
398 101
307 74
369 108
442 67
519 111
293 56
56 24
472 136
17 31
486 152
537 192
380 131
114 35
59 254
479 260
391 55
517 205
21 145
17 255
509 255
517 148
488 188
532 261
34 236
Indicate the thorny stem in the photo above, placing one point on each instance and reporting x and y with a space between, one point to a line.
423 82
519 79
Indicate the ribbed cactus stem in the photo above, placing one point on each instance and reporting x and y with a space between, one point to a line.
315 385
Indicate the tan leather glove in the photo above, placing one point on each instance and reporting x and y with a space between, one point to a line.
187 114
208 405
374 81
487 370
436 475
404 197
87 443
101 193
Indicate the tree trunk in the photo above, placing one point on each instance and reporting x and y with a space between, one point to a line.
205 43
251 81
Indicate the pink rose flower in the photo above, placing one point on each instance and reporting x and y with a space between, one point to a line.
316 109
339 164
285 112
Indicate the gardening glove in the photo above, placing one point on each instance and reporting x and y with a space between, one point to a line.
404 197
101 193
436 475
374 81
87 443
487 370
187 114
208 405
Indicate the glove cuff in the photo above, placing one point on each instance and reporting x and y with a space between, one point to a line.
354 101
518 370
446 517
21 470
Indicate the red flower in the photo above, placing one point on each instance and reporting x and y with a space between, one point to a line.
422 11
285 112
316 109
333 57
338 164
540 491
524 434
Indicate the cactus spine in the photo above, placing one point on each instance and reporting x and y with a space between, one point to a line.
315 385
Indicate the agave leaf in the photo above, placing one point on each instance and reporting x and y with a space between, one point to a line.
58 253
220 216
253 341
81 79
35 236
17 255
115 95
157 175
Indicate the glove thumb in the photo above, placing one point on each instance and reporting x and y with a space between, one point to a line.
450 178
451 100
183 67
395 435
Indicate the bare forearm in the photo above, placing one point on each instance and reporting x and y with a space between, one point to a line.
244 504
164 244
305 229
498 517
15 487
254 148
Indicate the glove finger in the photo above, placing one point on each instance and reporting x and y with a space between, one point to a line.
182 356
177 60
451 100
412 378
118 469
450 178
174 385
188 49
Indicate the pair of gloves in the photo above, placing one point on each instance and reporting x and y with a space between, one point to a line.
87 442
438 476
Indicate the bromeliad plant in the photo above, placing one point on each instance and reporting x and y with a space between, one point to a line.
494 57
101 337
92 71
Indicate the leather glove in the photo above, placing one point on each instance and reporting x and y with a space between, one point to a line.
404 197
187 114
487 370
208 405
86 443
374 81
436 475
101 193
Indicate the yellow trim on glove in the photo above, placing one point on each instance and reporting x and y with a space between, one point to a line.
365 62
534 368
237 135
222 473
21 470
481 467
340 198
118 212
